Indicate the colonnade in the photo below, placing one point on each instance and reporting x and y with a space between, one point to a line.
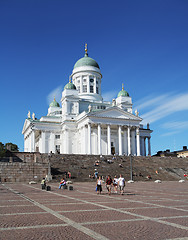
132 145
130 140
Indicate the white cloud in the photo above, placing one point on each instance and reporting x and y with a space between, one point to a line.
108 96
54 93
175 125
150 101
167 105
169 133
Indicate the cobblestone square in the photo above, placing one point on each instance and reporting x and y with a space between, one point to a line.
147 210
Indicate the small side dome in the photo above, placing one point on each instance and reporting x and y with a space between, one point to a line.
123 93
54 103
70 85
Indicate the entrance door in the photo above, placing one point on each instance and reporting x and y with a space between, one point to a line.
113 150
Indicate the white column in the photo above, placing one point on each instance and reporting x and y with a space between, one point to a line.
89 138
99 139
133 141
144 146
120 140
149 146
138 141
43 142
108 140
129 140
81 84
66 141
88 85
25 144
33 141
94 84
52 142
125 142
84 139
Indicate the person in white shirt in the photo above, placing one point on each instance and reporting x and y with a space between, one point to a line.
99 185
115 183
121 184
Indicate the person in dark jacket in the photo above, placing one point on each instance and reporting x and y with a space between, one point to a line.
109 184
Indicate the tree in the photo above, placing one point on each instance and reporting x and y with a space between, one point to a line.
2 149
11 147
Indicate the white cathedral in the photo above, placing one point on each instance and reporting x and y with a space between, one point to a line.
84 123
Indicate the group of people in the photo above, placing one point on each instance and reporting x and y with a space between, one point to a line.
116 182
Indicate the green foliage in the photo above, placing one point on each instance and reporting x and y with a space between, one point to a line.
11 147
8 146
2 150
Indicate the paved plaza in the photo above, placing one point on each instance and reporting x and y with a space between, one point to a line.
147 210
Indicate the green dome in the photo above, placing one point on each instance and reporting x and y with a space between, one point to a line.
70 85
86 61
123 93
54 103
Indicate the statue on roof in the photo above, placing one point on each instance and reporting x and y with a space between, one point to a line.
113 102
29 114
33 116
136 112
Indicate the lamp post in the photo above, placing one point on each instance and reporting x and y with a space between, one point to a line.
131 167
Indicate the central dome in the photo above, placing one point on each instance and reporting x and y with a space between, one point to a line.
86 61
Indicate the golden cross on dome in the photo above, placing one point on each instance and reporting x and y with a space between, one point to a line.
86 48
122 86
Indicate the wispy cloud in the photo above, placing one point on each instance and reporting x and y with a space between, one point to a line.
149 101
54 93
175 125
169 133
108 96
167 104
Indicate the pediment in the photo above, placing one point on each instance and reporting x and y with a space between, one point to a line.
115 113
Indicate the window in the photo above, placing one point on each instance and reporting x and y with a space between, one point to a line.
97 90
57 136
91 80
84 88
97 82
78 89
84 80
78 81
91 89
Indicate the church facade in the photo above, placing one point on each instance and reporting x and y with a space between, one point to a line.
84 123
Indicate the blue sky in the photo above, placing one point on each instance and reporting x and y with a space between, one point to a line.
143 44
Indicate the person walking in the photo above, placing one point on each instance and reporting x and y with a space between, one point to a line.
109 184
121 184
99 185
115 183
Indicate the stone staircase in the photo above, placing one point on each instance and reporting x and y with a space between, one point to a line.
81 166
24 167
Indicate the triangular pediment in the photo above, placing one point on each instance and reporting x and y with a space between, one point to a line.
116 113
